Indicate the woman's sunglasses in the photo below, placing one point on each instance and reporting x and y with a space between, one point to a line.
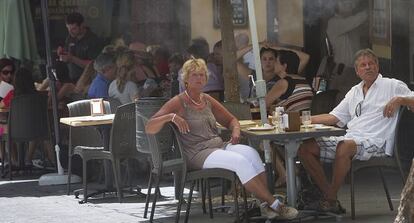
7 72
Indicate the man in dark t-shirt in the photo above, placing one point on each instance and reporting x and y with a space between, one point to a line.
81 46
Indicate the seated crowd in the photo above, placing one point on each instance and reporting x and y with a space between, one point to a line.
127 72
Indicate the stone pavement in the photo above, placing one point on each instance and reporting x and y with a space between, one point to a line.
22 200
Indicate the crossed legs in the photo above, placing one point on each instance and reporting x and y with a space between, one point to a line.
258 186
246 163
309 154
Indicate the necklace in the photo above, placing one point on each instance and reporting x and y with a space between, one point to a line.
194 102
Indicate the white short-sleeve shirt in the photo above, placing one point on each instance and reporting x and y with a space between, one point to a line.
370 124
130 92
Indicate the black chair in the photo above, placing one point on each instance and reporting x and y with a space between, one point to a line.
323 102
121 144
27 121
86 136
124 146
167 157
115 103
382 162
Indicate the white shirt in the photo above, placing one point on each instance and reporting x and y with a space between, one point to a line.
371 124
130 92
249 60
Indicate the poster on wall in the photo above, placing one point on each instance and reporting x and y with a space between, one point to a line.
380 22
97 13
239 13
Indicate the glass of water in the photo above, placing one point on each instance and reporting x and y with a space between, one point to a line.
306 119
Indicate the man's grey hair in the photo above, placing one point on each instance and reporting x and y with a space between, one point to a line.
364 52
103 61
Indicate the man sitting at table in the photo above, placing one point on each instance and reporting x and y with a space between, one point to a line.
370 110
106 68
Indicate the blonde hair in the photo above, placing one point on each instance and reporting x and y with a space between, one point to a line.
125 64
194 65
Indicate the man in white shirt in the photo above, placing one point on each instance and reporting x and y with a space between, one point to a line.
370 110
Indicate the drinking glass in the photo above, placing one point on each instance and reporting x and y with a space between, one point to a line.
306 119
276 121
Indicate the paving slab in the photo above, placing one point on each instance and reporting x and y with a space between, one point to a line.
22 200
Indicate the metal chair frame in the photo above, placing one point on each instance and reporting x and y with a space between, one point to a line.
380 162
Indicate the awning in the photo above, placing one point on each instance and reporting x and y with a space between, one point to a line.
17 35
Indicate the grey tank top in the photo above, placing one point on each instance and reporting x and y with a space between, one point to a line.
203 138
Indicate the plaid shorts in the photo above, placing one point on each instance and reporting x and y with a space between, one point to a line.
365 149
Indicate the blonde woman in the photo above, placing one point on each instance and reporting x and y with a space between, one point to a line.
122 88
195 115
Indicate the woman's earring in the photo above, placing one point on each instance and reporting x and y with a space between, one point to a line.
186 85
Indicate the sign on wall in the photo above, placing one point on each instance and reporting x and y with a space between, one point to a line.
380 22
239 13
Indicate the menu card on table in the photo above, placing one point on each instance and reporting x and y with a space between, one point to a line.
5 88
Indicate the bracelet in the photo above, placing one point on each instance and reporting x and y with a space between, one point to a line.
172 120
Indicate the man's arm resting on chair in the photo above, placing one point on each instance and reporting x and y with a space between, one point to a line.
395 103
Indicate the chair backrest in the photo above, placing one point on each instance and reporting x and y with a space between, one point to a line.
28 118
157 145
404 138
83 108
239 110
115 103
84 136
122 142
323 102
146 108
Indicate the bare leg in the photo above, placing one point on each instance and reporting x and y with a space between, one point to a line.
263 178
280 169
47 148
30 152
257 185
345 151
309 154
65 90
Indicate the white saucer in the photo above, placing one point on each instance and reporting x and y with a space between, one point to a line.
323 127
261 128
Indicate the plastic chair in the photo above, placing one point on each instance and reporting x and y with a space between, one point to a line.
124 145
86 136
115 103
323 102
27 121
382 162
121 144
163 163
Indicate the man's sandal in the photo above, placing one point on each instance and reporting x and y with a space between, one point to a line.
331 206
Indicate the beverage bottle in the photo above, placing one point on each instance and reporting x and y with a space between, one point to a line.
322 85
282 117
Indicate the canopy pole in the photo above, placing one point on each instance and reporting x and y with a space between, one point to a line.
59 177
260 91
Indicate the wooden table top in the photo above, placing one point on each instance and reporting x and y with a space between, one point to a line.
88 120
